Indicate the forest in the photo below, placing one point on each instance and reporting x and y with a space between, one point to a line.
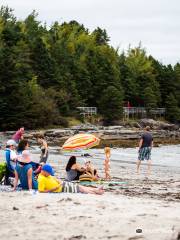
46 72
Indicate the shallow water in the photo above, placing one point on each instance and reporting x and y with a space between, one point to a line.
164 155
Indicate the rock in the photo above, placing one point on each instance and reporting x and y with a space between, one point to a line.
42 206
114 127
148 122
76 237
15 208
135 125
139 230
85 127
158 125
77 203
132 125
110 132
167 126
59 133
29 135
124 134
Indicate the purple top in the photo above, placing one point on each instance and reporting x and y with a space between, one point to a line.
17 136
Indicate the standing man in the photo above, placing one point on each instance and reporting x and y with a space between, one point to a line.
145 146
18 135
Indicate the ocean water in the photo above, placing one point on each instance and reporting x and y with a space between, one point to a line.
163 156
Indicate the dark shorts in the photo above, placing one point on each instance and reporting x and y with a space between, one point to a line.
70 187
144 153
44 159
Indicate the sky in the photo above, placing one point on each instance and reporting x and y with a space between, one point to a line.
154 23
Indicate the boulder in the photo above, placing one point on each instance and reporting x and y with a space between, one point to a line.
158 125
148 122
84 127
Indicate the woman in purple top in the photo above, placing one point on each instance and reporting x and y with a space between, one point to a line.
18 135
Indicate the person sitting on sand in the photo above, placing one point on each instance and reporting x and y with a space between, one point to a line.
24 173
73 169
11 155
48 183
107 151
11 158
91 171
22 146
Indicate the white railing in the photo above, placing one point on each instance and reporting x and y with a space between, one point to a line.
142 112
87 110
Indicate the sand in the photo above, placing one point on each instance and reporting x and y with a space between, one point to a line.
151 205
81 216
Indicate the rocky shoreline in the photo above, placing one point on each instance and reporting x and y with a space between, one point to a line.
124 135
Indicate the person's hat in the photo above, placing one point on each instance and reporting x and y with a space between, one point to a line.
47 168
11 143
24 157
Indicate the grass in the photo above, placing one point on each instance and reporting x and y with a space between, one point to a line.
73 121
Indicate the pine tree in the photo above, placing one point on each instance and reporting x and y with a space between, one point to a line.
172 109
111 104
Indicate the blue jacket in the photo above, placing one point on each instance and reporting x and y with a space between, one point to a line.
8 160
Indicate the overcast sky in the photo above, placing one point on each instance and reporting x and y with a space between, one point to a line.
156 23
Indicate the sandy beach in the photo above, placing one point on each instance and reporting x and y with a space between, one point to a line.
151 205
78 216
90 91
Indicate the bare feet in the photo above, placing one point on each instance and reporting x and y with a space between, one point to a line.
99 191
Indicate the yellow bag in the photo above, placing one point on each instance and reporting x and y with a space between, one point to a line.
85 177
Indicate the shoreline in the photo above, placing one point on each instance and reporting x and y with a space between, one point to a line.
114 136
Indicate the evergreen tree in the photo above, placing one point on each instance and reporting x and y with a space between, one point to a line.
177 82
172 109
149 98
47 73
111 104
101 36
140 75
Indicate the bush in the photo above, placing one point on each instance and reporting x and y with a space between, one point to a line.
2 170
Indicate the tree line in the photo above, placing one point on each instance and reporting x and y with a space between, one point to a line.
47 72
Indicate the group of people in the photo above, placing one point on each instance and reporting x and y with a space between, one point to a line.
40 175
19 135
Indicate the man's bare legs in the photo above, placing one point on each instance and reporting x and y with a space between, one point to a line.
91 190
138 163
149 168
